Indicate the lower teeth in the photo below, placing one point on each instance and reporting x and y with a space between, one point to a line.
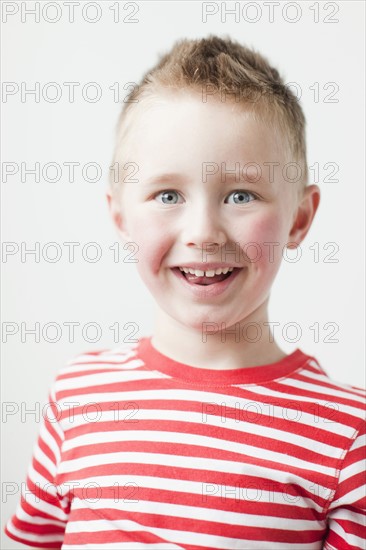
207 284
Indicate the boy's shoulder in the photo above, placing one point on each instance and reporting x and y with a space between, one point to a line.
113 354
123 356
336 402
87 364
323 374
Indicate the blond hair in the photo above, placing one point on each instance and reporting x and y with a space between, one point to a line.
217 65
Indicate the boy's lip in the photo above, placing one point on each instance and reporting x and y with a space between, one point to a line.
206 291
206 266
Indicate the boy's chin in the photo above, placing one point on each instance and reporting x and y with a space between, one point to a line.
203 322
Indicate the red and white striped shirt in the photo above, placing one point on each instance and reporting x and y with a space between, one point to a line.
137 451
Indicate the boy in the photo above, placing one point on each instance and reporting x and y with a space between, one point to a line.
205 435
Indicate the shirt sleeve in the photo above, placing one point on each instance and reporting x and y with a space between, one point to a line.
347 511
42 512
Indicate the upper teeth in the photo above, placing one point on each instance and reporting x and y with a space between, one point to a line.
210 273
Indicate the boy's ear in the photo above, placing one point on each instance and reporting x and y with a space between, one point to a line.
117 218
304 215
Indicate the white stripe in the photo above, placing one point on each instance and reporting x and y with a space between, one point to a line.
94 365
353 496
46 437
42 505
44 461
29 537
345 514
127 546
81 369
322 390
263 390
353 469
349 538
206 490
187 537
191 462
102 378
348 390
37 478
190 512
48 415
36 520
107 355
360 441
249 545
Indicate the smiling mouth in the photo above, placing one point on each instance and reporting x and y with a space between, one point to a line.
206 281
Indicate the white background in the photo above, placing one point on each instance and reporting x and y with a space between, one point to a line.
105 292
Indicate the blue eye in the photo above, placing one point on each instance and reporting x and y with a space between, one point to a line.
169 195
243 196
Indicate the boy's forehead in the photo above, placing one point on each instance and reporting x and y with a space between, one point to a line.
188 106
185 123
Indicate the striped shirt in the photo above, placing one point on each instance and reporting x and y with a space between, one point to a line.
138 451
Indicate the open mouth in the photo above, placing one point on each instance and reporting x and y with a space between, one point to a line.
203 280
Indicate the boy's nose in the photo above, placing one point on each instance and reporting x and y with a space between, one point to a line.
204 226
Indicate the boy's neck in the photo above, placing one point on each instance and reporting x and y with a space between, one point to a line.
187 346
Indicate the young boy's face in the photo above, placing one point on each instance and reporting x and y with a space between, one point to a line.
249 220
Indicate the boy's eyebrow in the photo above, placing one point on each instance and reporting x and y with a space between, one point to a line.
163 178
249 177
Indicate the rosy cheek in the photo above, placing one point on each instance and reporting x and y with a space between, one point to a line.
153 244
267 229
